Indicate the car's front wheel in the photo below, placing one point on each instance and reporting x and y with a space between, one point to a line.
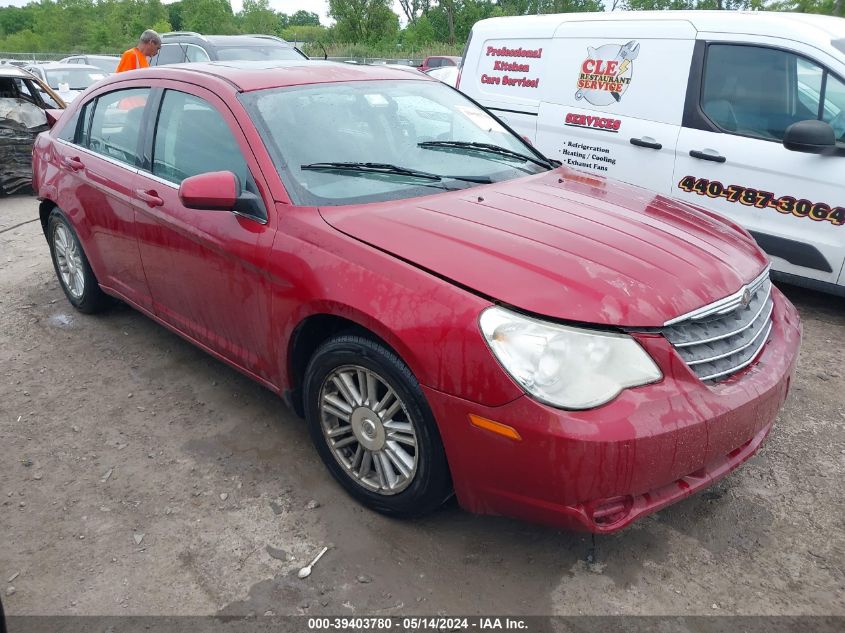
373 428
78 281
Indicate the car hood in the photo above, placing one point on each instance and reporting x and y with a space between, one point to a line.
565 245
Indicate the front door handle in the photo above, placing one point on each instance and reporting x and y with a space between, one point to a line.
150 197
646 141
73 164
711 155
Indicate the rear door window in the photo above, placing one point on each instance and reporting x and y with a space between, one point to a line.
116 124
196 53
170 54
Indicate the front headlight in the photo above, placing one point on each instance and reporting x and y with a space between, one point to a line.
566 367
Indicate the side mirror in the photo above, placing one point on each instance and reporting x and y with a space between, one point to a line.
53 117
217 190
810 137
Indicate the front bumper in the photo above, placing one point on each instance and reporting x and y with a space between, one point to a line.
599 470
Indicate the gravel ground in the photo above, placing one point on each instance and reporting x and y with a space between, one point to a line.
140 476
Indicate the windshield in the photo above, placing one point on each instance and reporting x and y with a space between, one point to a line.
257 53
104 64
423 127
74 78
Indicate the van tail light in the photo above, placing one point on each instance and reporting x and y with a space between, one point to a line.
52 117
458 80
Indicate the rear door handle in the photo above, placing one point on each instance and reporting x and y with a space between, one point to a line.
73 163
710 155
150 197
646 141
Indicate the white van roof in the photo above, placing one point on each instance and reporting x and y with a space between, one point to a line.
816 30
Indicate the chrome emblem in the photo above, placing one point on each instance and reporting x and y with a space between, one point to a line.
746 298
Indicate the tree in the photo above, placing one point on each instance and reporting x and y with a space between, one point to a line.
16 19
258 17
413 9
525 7
212 17
304 18
174 15
361 21
419 33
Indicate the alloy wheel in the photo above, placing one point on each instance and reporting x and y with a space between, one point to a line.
69 261
368 429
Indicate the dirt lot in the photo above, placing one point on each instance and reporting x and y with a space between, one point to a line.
140 476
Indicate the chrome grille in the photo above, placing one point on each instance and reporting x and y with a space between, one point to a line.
718 340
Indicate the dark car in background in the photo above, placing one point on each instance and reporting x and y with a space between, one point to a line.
186 46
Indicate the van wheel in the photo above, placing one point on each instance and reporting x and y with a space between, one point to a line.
373 428
78 281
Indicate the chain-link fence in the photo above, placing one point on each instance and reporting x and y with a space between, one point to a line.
33 57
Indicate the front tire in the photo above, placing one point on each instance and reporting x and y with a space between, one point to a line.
78 281
373 428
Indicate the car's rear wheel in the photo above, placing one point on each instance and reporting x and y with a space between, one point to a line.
78 281
373 428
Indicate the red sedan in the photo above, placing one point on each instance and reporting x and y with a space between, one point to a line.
451 311
438 61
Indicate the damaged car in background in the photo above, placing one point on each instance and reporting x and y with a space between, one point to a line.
25 105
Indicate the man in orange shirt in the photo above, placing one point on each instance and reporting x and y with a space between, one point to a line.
148 46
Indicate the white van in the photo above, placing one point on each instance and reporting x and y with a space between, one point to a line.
740 112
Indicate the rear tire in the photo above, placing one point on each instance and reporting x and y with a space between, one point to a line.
76 278
373 428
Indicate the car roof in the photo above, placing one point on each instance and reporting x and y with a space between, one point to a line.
818 29
236 40
91 56
246 76
224 40
61 66
7 70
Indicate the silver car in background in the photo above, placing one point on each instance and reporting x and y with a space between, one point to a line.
68 80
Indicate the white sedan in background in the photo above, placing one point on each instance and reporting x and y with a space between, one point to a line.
68 80
446 74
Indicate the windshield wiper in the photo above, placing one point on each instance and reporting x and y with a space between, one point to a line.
395 170
487 148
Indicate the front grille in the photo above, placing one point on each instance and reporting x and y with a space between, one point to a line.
720 339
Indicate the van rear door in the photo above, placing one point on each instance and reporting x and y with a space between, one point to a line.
504 69
731 157
612 100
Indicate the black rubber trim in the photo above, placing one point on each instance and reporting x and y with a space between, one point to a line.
797 253
806 282
513 111
648 144
698 154
693 116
